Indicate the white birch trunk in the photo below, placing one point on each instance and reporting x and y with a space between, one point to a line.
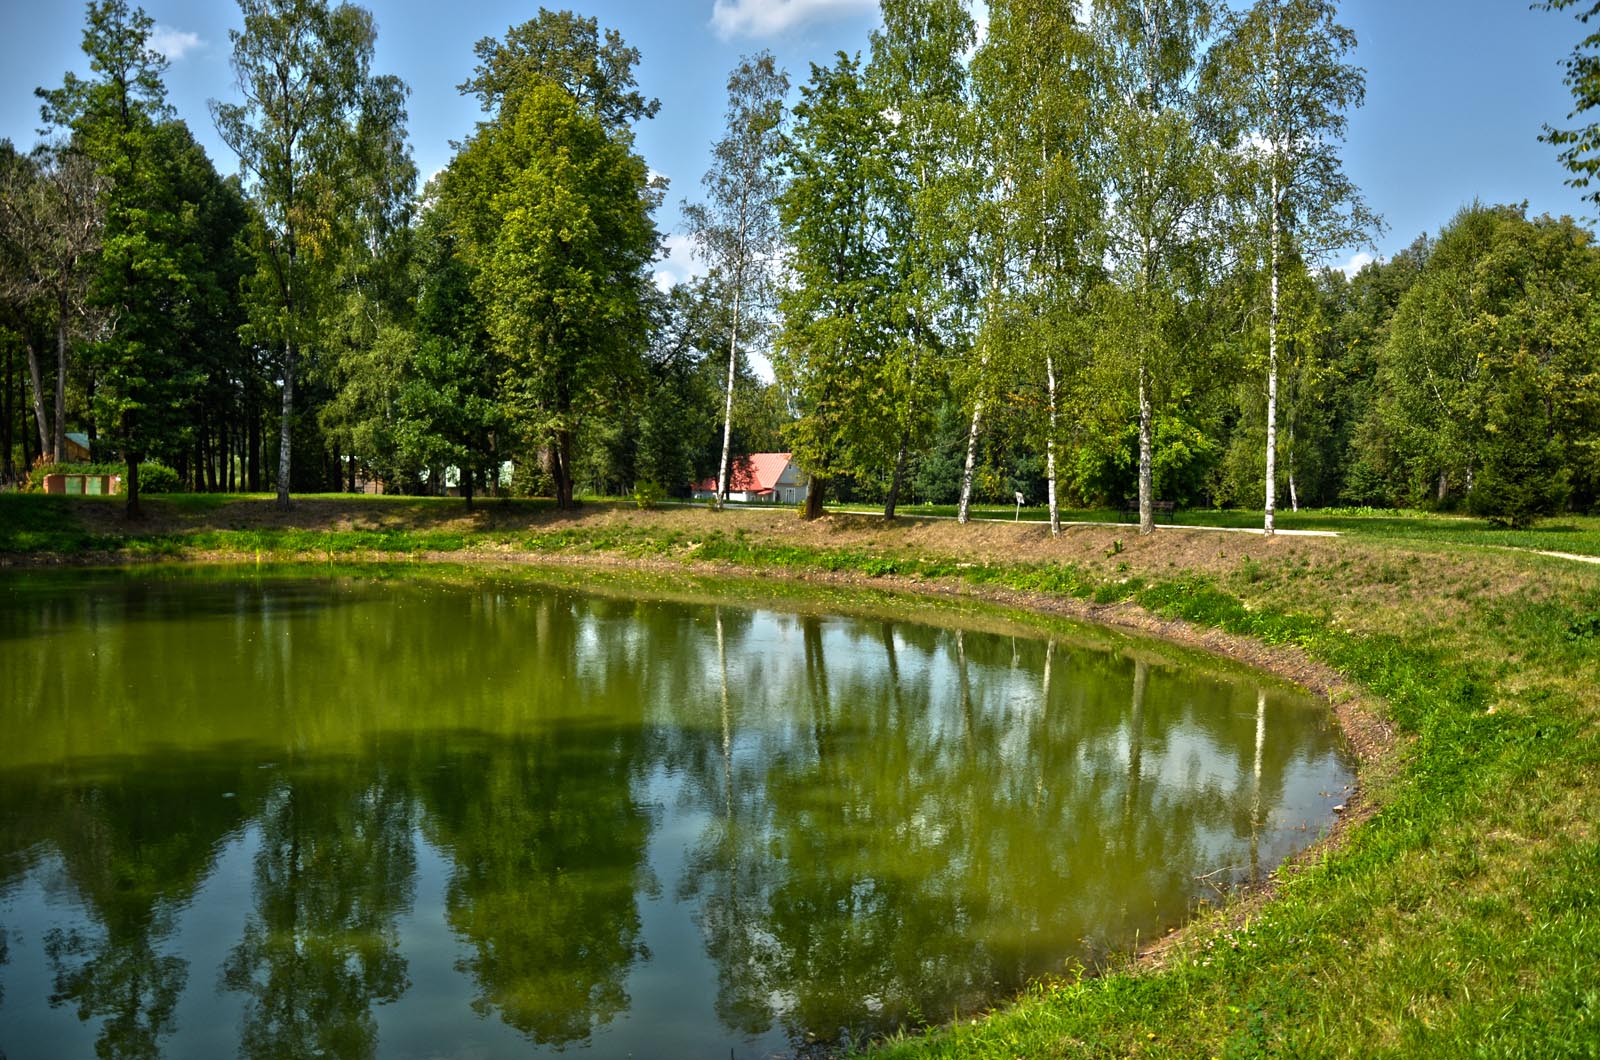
284 423
1294 495
1147 518
964 511
1272 371
727 404
1050 447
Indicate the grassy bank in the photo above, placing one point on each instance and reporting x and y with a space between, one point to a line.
1460 917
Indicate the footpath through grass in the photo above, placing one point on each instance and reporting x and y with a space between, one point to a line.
1461 919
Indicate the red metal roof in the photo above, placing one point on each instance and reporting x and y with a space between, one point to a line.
757 473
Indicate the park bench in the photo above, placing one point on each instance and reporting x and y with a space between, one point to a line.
1130 507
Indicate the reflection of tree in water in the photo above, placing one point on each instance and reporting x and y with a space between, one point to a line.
135 850
548 844
335 870
942 826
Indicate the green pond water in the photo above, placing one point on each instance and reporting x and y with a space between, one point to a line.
354 815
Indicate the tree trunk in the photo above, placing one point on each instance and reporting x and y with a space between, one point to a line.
90 427
466 482
40 416
1147 520
27 454
814 492
1272 372
1294 495
727 404
898 479
285 426
964 510
561 468
130 508
1050 447
8 410
252 460
59 439
209 451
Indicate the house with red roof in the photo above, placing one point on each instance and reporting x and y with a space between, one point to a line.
760 478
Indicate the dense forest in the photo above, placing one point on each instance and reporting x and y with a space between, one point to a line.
1081 259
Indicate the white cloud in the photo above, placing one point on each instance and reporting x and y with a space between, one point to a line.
680 264
764 18
173 43
1358 261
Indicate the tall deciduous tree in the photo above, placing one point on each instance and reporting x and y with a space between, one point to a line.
1041 198
1281 84
147 281
833 332
51 221
304 134
1580 145
449 402
918 75
1500 297
559 46
554 210
1161 186
736 230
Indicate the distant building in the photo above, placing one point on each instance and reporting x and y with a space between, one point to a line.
77 448
761 478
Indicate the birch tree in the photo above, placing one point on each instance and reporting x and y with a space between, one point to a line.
1161 185
736 230
1033 96
919 79
1279 79
312 111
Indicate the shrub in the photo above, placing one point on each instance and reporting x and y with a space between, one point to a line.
647 493
157 478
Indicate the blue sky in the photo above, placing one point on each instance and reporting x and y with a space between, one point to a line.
1456 89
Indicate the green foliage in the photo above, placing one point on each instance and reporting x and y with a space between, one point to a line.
647 493
321 142
1501 299
1580 145
567 50
831 348
553 212
919 180
1161 174
158 478
1522 476
736 230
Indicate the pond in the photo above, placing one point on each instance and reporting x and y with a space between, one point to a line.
366 814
